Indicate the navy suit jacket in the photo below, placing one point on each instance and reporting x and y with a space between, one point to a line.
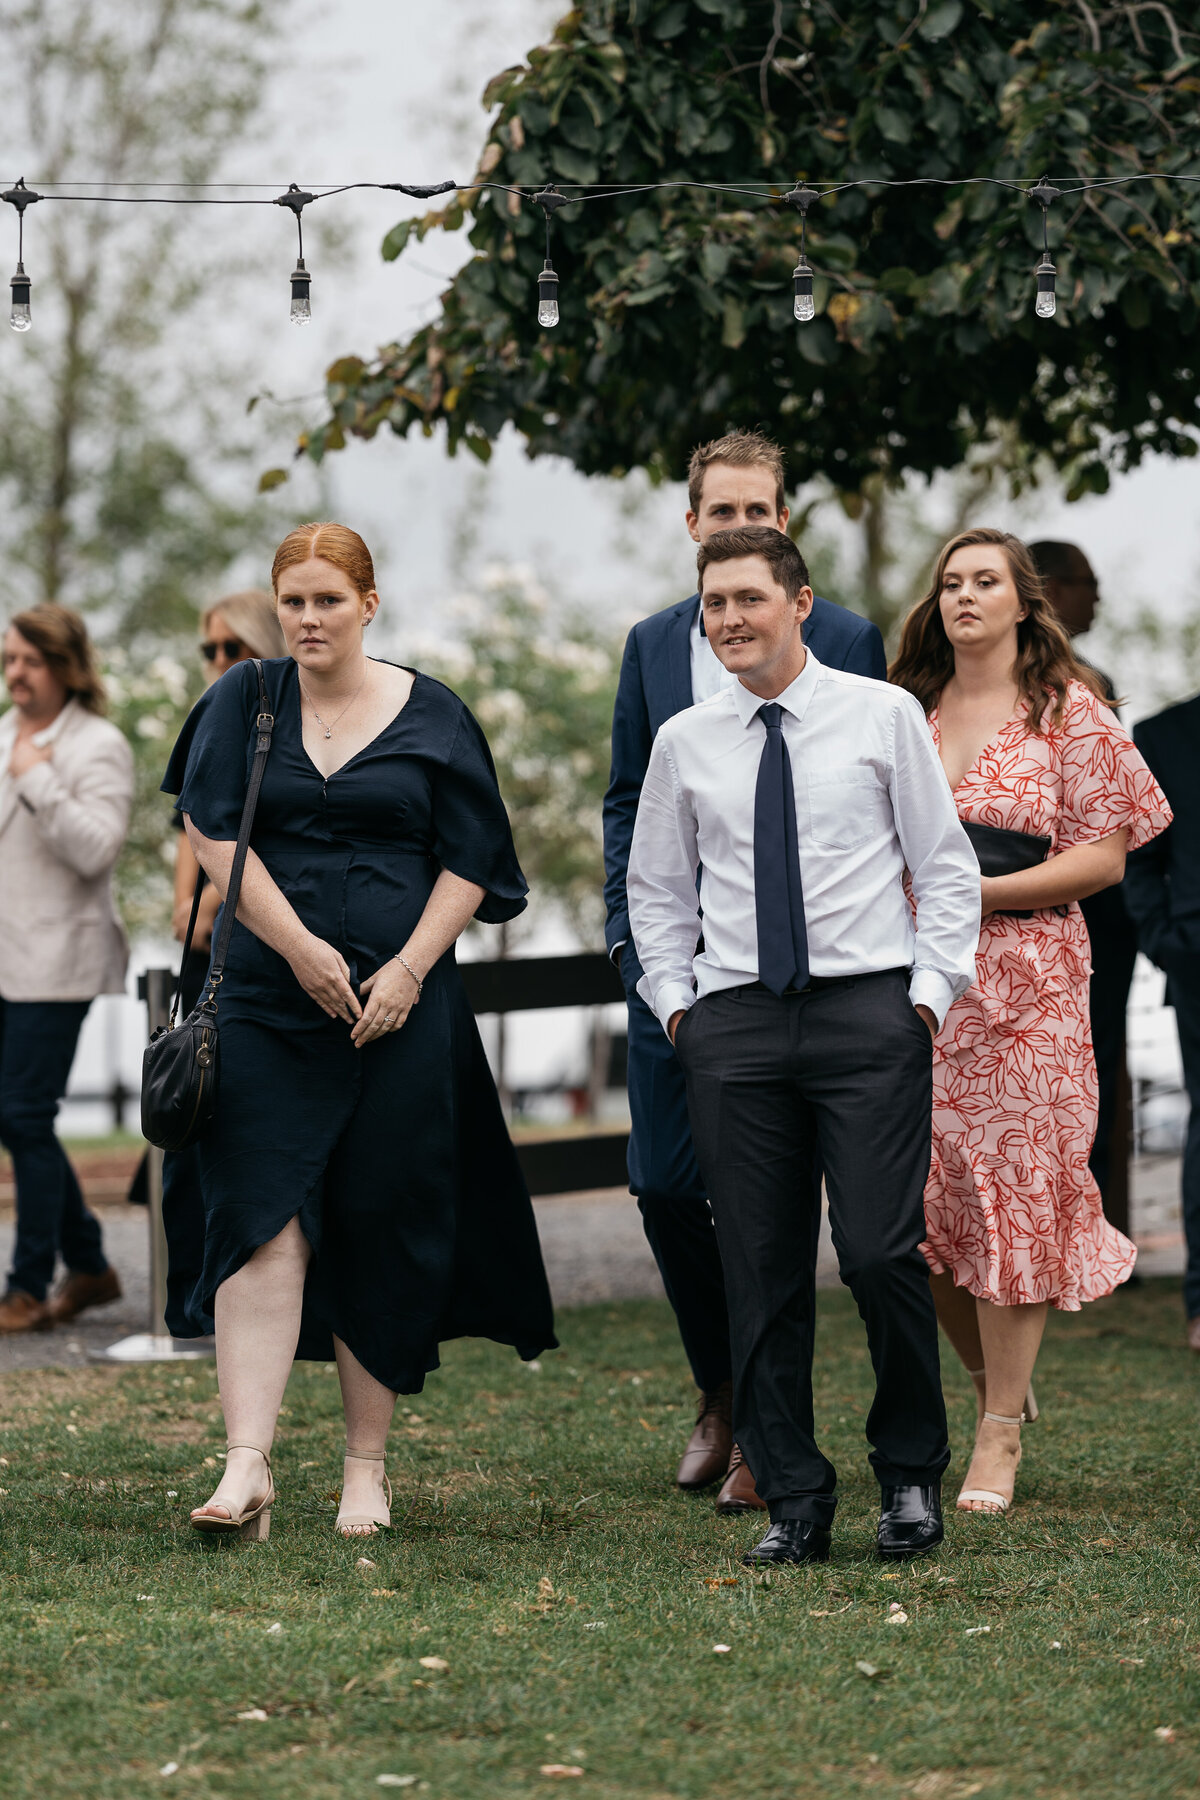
656 683
1162 879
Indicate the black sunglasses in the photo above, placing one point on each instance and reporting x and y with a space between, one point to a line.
233 647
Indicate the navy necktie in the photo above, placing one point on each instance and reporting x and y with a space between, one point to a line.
778 894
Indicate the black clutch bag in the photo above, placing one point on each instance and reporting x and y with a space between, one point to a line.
1001 852
180 1067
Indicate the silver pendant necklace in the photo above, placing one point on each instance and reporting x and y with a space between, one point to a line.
328 729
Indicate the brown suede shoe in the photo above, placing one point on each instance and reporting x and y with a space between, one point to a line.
739 1494
709 1448
21 1312
75 1292
1193 1333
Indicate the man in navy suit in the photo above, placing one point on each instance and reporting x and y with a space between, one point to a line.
668 666
1162 891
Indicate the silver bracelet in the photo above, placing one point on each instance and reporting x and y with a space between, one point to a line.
405 964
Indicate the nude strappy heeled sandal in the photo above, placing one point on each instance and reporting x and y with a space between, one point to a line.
350 1525
991 1501
253 1525
1031 1406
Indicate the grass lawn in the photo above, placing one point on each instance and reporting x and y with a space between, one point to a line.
541 1551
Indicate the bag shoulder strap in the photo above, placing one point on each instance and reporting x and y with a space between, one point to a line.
264 726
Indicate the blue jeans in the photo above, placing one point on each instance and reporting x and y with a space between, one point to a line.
37 1048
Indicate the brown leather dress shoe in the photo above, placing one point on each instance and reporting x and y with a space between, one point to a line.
711 1444
1193 1333
21 1312
76 1291
739 1494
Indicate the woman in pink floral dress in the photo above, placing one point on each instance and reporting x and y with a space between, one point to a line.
1012 1212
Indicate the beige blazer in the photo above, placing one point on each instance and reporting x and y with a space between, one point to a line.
62 824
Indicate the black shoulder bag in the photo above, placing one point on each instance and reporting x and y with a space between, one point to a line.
180 1066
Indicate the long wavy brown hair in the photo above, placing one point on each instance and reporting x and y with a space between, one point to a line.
61 638
1045 661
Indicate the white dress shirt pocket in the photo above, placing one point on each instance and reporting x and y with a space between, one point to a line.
846 807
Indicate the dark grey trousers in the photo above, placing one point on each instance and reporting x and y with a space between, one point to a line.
845 1069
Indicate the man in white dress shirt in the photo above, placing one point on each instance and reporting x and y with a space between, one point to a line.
800 795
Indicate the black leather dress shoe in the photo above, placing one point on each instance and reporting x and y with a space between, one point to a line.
791 1541
910 1520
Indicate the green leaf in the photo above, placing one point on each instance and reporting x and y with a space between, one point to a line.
714 262
397 238
895 126
346 370
941 20
574 165
671 21
271 478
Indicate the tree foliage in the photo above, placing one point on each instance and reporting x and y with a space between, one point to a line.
123 490
676 304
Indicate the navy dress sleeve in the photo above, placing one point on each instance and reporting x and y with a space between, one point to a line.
471 833
209 766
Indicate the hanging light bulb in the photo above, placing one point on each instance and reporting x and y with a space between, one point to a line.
1045 305
20 318
548 296
301 313
549 199
296 199
804 306
20 315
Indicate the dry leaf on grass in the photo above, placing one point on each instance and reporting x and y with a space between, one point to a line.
395 1781
255 1712
364 1562
1165 1734
870 1671
897 1615
716 1581
169 1769
560 1769
976 1630
437 1663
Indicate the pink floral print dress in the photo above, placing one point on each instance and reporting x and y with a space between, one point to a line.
1011 1208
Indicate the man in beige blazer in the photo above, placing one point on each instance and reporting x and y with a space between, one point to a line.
66 785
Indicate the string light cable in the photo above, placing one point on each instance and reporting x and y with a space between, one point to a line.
548 198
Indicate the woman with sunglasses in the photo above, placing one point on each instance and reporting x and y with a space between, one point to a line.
236 627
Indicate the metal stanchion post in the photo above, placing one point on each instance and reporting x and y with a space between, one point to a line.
155 987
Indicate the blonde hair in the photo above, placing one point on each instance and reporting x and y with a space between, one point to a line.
250 616
740 450
333 543
1045 661
61 639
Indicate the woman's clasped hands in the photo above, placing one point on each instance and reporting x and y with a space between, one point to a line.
389 994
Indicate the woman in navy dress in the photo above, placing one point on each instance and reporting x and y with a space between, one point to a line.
361 1193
